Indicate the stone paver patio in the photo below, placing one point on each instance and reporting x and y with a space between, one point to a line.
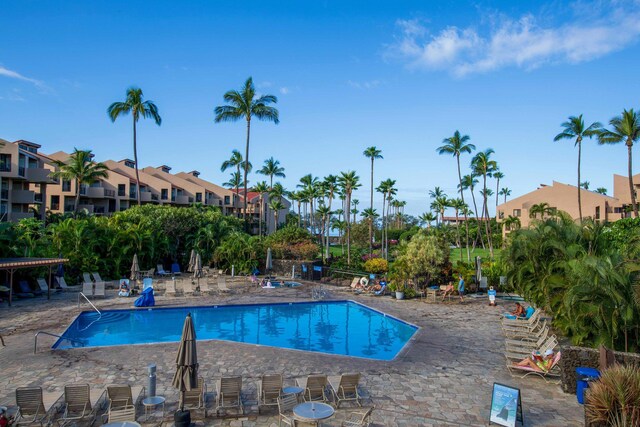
442 378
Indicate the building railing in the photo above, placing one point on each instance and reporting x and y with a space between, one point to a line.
83 191
38 197
109 193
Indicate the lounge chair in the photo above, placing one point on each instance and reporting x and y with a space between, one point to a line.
160 271
149 273
127 413
187 287
515 353
195 398
346 388
87 289
86 278
532 341
381 292
42 284
314 387
531 315
354 283
120 396
26 291
170 288
77 404
204 287
96 277
63 285
175 269
229 393
222 284
147 282
286 404
99 290
269 389
31 408
554 369
359 419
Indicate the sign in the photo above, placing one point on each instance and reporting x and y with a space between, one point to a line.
506 406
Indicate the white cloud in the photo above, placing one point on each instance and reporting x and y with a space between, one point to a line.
285 90
522 42
15 75
371 84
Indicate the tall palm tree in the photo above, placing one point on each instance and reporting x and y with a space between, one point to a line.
372 153
457 145
505 192
261 188
272 168
440 204
498 176
243 104
625 128
483 165
330 185
469 182
427 218
276 206
310 187
370 215
138 108
324 213
82 169
235 161
235 181
349 182
354 210
387 188
574 128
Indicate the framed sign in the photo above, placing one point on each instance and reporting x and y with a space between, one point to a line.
506 406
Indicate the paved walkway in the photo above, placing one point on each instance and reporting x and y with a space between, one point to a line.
442 378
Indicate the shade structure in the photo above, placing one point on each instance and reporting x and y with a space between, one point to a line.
135 268
186 376
192 261
269 262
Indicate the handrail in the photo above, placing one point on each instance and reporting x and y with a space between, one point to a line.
85 297
35 343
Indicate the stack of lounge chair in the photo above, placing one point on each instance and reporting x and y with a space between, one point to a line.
527 335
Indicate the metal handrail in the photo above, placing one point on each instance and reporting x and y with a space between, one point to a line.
35 343
85 297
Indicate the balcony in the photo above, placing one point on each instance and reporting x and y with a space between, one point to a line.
38 197
147 196
21 170
81 207
181 200
133 195
17 216
109 193
23 196
40 175
97 192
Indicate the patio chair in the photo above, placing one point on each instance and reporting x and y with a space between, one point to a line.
63 285
204 287
314 387
222 284
96 277
286 403
359 419
175 269
77 404
86 278
533 341
531 316
99 290
170 288
31 408
553 372
229 393
269 389
127 413
149 273
346 388
195 398
517 353
87 289
160 271
354 283
187 287
147 282
26 291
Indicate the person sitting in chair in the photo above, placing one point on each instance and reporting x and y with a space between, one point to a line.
537 362
519 311
448 291
123 290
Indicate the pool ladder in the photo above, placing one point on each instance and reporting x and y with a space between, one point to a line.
35 343
90 303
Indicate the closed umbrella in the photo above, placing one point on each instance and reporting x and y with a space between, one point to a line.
192 261
186 376
478 270
269 263
135 268
197 269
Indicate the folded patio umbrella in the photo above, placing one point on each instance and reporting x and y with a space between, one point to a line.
197 268
135 268
269 262
186 376
192 260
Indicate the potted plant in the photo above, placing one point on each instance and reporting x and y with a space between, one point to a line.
399 278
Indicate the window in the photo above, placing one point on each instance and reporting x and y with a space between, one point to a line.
55 203
597 212
164 194
129 164
199 197
66 185
227 200
122 190
517 212
500 214
5 162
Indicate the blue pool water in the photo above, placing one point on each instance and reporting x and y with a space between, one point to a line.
277 284
336 327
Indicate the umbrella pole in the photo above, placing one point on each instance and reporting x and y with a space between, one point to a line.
49 287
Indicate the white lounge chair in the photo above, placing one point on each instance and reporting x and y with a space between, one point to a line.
43 285
269 389
31 409
286 404
229 393
359 419
99 290
87 289
346 388
65 287
314 386
222 284
77 404
170 288
187 287
160 271
517 353
553 372
195 398
86 278
96 277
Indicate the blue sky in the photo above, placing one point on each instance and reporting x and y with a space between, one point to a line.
400 75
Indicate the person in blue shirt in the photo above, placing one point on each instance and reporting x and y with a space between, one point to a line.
461 288
492 296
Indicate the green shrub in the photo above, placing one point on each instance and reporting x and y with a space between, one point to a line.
376 266
614 399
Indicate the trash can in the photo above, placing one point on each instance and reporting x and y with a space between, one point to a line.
584 375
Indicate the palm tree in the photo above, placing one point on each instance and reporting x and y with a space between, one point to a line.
262 188
434 194
542 208
372 153
483 165
276 206
310 187
457 145
133 104
470 182
354 210
626 128
243 105
505 192
272 168
235 181
82 169
324 213
512 222
574 128
498 176
349 181
427 218
440 204
585 185
235 161
330 185
295 196
387 188
601 190
458 205
370 215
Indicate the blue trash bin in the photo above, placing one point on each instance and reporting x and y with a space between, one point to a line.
584 375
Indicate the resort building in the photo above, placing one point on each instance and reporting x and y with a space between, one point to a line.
255 211
24 178
222 197
564 197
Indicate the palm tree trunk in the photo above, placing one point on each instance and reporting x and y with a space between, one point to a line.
487 226
497 190
299 216
384 221
475 208
466 222
77 201
135 158
348 217
371 207
579 195
260 220
631 189
246 171
328 225
458 232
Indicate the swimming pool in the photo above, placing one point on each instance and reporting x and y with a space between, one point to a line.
336 327
278 284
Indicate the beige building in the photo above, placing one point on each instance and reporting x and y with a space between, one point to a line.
215 195
24 180
564 197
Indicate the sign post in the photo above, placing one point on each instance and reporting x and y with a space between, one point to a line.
506 406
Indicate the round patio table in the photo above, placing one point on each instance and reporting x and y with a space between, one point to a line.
313 411
122 424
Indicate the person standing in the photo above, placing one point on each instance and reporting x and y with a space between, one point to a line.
461 288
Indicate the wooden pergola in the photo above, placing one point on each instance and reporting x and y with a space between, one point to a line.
13 264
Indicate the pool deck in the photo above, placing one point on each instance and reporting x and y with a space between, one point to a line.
443 377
